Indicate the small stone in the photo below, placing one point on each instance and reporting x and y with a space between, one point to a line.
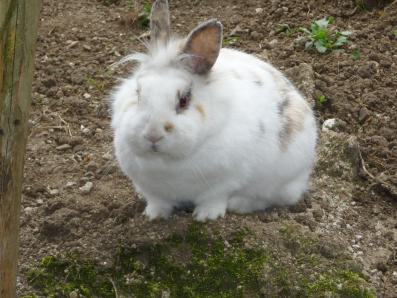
256 35
63 147
53 192
70 184
259 10
86 131
28 210
86 188
86 47
87 95
72 44
107 156
273 43
363 115
333 124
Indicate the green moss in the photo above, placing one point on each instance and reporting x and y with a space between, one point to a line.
193 264
202 263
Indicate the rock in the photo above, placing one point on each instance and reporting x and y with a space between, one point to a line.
363 115
70 184
107 156
272 44
256 35
53 192
333 124
29 210
63 147
259 10
87 187
87 95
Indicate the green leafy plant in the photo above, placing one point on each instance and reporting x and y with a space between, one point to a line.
356 55
322 38
144 16
395 33
321 100
231 40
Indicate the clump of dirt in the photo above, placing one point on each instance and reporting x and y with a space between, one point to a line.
75 198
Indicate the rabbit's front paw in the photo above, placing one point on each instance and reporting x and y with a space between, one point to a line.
209 212
155 211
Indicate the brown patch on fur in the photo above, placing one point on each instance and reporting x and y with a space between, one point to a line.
293 113
169 127
201 110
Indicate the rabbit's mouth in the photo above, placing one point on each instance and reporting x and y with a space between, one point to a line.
154 148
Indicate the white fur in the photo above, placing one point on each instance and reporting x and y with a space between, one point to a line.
222 160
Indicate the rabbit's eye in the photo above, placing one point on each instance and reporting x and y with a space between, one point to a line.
184 101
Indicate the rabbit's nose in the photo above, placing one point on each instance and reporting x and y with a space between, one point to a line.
153 138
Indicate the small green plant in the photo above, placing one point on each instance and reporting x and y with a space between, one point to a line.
321 100
395 33
144 16
322 38
356 55
231 40
287 29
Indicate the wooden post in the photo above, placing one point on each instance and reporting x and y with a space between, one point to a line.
18 32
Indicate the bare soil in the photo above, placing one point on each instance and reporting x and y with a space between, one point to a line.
70 141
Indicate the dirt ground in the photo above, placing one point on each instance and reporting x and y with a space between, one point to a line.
76 199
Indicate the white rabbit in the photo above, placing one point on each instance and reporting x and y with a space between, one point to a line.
214 127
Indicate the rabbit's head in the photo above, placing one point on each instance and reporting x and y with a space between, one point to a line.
161 109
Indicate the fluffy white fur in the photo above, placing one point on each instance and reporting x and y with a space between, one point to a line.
228 156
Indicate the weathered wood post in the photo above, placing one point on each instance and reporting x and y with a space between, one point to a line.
18 31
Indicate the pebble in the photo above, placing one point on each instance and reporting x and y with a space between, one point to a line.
334 124
70 184
107 156
28 210
273 43
63 147
87 95
53 192
259 10
86 188
72 44
363 115
86 131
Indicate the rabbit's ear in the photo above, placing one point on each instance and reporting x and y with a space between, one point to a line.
202 47
160 22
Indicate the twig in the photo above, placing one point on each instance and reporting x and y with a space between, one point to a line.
390 189
114 288
67 128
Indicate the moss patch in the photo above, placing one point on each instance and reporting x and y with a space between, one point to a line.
202 263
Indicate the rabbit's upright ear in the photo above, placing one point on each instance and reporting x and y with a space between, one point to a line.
202 47
160 22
